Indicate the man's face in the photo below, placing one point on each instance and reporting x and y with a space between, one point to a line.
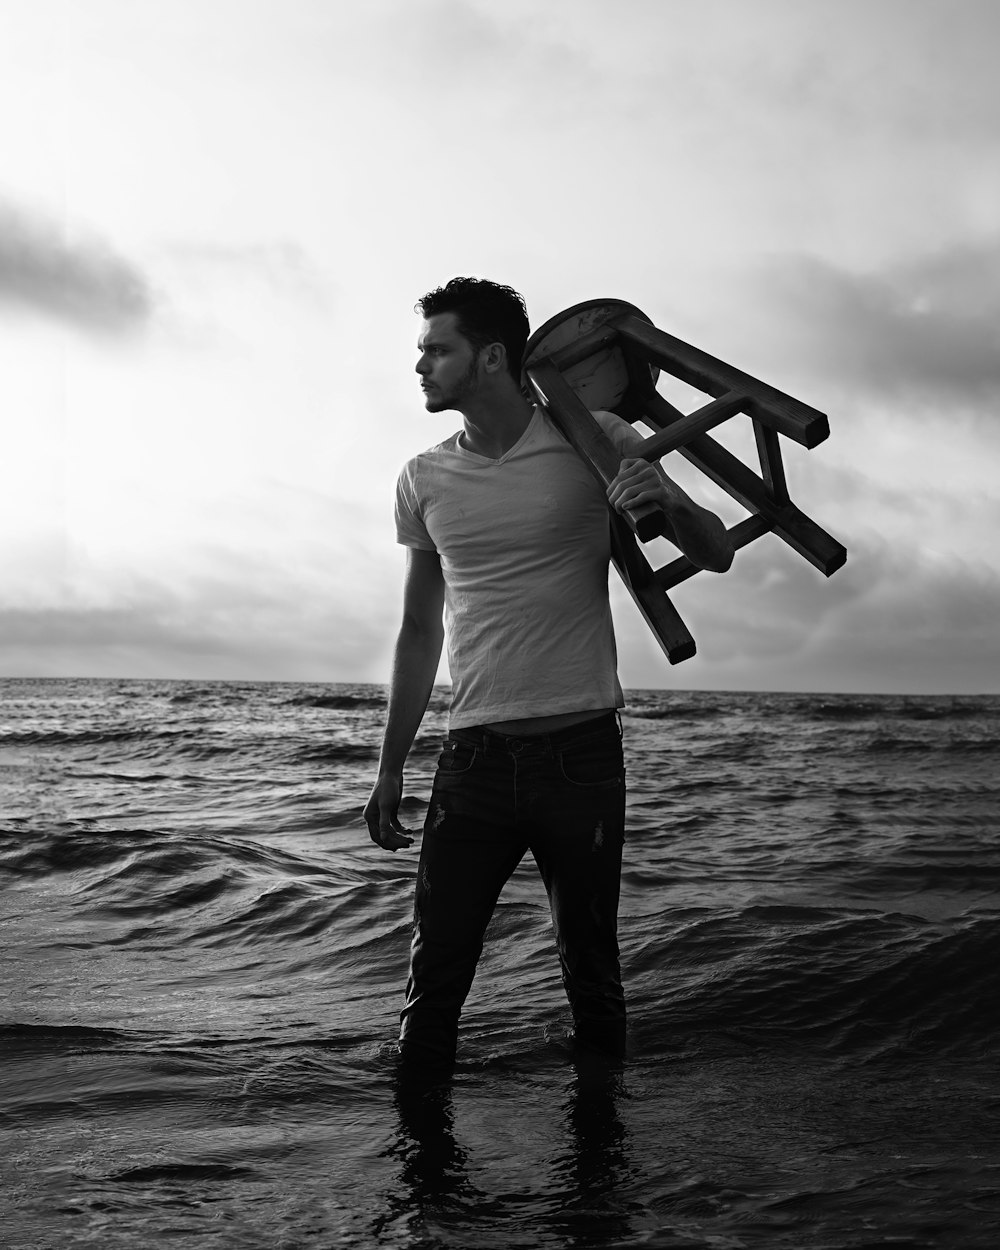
448 364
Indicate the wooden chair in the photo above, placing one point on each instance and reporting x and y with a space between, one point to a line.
606 354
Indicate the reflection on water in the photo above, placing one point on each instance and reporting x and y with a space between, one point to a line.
433 1166
595 1166
575 1196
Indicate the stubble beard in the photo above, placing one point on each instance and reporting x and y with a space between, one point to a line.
463 389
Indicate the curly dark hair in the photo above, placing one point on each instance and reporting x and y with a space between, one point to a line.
485 313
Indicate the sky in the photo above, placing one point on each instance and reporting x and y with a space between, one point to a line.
216 217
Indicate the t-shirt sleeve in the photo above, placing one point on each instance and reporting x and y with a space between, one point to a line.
410 528
625 438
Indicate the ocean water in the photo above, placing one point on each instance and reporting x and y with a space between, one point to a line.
203 961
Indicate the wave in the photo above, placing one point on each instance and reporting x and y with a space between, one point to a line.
875 983
145 861
426 746
675 711
895 707
898 744
66 737
338 753
892 745
338 702
962 746
137 741
34 1038
182 1172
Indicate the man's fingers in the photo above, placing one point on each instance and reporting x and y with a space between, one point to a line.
636 483
631 473
629 468
632 496
390 839
393 841
391 835
382 818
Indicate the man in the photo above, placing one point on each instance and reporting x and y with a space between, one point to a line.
507 533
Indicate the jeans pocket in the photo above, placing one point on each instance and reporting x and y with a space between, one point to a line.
593 764
457 757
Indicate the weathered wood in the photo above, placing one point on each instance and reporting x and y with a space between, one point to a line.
774 408
573 353
694 423
584 434
679 570
611 353
728 471
584 344
652 601
772 469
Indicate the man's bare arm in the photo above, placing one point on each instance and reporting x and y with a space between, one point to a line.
414 666
699 533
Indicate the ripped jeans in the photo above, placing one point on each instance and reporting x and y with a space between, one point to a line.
495 796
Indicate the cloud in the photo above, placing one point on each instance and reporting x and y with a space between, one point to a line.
281 266
147 640
225 295
893 619
496 62
285 590
929 324
912 71
79 280
290 629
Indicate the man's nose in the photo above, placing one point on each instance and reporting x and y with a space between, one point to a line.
422 365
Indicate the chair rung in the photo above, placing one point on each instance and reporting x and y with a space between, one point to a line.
681 569
695 423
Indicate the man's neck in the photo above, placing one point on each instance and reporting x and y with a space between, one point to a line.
494 427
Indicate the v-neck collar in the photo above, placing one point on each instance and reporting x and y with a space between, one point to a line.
474 455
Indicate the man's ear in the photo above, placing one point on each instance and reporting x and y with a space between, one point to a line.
495 358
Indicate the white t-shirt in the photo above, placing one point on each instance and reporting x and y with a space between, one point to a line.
524 549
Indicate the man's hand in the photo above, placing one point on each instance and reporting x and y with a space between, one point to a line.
637 483
700 534
382 814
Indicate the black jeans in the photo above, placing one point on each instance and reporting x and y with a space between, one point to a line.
559 795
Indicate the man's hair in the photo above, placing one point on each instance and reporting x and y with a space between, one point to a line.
485 313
